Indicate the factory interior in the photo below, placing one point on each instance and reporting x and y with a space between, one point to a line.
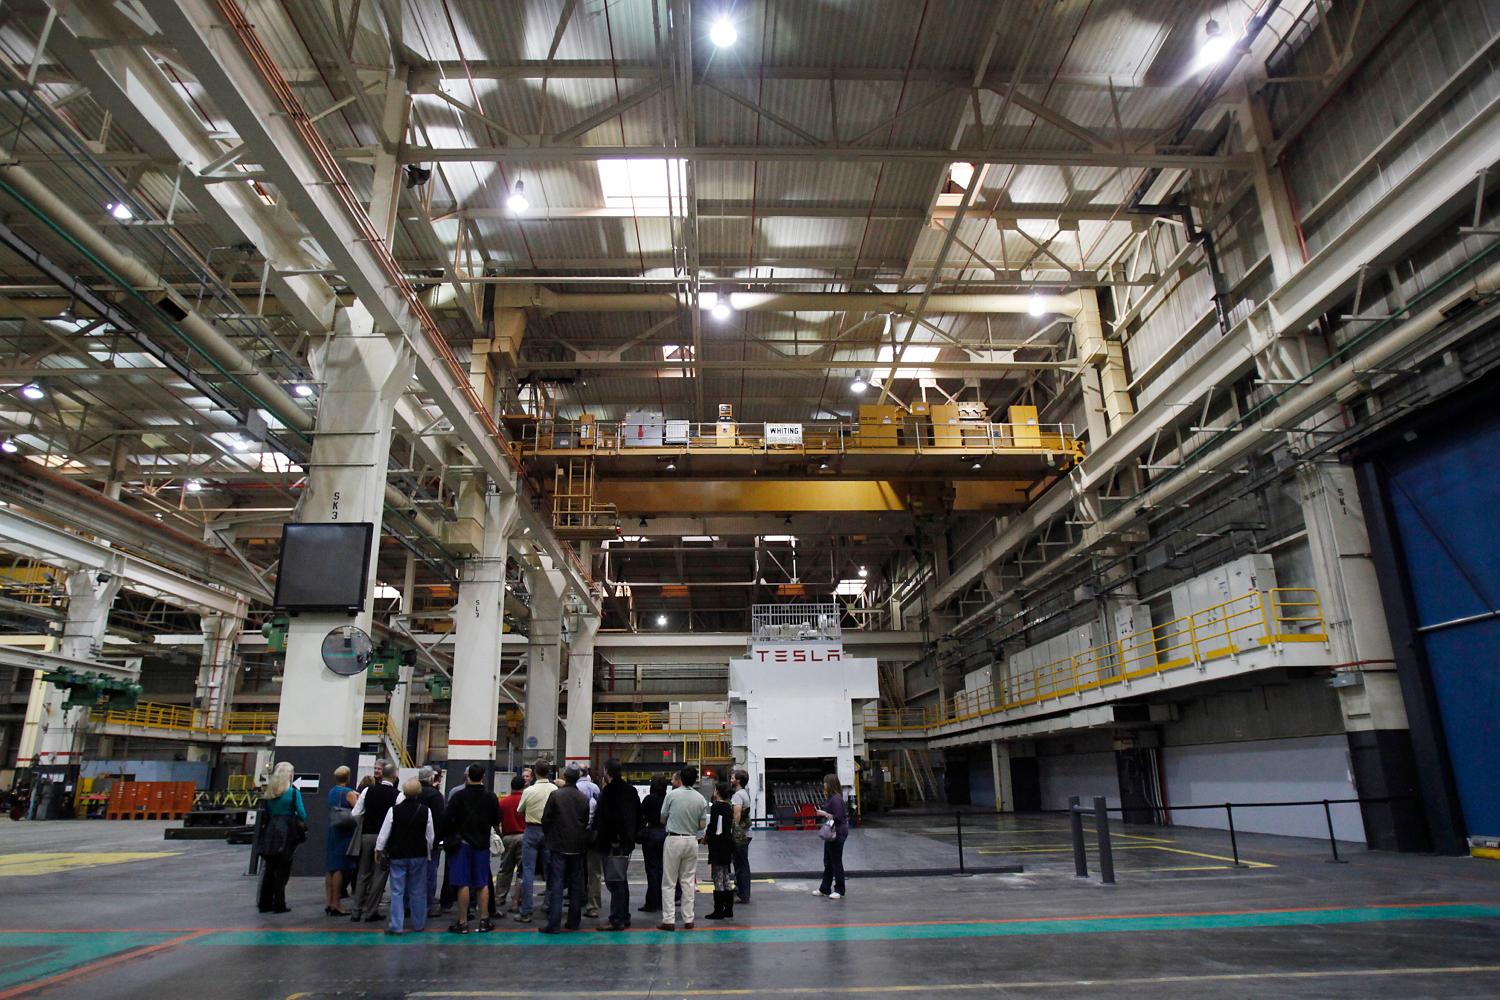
1054 429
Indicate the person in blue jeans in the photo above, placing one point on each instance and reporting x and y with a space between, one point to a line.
404 841
533 841
833 850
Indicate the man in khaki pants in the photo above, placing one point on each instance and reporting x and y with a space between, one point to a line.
685 815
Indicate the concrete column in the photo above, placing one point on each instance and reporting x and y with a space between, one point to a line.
1271 197
1370 698
364 373
399 709
1000 766
581 689
1106 391
543 667
478 617
219 667
59 731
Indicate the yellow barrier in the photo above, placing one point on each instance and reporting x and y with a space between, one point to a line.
1259 618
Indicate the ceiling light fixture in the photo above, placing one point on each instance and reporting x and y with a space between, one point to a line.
1216 45
33 391
303 389
1037 306
120 211
9 446
863 572
974 466
517 202
671 466
193 486
721 310
723 33
661 619
858 385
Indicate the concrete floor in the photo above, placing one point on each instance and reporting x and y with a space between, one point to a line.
100 909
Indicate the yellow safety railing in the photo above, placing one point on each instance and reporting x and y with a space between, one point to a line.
1259 618
378 725
660 723
182 719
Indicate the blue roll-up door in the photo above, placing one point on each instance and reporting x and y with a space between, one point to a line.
1444 494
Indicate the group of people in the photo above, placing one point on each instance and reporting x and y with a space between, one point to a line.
577 833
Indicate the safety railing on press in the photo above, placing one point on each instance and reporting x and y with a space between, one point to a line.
666 724
968 438
1256 619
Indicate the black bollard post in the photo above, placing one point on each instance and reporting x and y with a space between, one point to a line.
1075 821
1234 844
958 824
1106 852
1332 843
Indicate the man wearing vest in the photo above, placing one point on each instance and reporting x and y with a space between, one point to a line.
374 802
405 840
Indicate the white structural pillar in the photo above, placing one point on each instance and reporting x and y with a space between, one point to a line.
364 373
478 624
218 670
543 661
399 711
1000 768
56 743
580 689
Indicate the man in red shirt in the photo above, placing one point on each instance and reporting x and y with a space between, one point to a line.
512 827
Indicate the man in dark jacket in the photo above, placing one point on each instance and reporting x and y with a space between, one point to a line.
615 821
472 813
565 823
432 798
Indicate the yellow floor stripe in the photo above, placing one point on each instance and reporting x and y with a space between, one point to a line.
17 865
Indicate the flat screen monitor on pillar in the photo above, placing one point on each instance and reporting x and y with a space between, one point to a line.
324 567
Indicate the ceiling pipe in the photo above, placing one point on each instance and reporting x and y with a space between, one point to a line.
547 301
202 333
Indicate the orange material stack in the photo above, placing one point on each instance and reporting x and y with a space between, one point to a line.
150 800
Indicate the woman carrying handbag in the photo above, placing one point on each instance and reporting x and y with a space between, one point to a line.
834 831
283 828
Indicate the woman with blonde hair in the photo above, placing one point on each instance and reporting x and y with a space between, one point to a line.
341 824
282 826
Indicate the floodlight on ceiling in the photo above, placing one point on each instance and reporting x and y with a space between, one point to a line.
9 446
721 310
975 466
120 211
303 389
1216 44
723 33
859 384
671 466
33 392
661 620
863 572
1036 306
517 202
193 486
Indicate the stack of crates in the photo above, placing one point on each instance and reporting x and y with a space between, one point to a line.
150 800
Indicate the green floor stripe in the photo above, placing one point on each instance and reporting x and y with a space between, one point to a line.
62 952
894 932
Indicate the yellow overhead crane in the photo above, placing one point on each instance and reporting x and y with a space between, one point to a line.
927 458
